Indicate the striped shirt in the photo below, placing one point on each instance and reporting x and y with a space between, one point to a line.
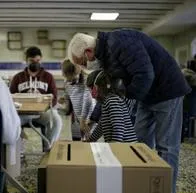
82 103
115 123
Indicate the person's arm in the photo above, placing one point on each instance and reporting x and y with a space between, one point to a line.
116 117
87 108
87 104
53 90
134 58
10 118
96 114
97 133
14 85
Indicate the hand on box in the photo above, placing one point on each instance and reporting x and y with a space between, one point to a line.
89 122
83 125
86 137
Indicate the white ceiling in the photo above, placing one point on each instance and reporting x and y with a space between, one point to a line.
139 14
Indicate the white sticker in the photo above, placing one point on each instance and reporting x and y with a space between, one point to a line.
108 169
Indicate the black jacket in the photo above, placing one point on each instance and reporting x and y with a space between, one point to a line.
149 73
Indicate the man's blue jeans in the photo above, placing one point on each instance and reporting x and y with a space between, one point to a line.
160 126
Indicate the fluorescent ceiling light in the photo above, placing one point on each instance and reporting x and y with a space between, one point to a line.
104 16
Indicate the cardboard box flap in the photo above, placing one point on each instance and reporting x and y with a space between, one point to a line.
71 154
128 154
137 155
44 161
103 168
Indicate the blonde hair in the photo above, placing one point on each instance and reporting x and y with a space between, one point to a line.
78 44
68 68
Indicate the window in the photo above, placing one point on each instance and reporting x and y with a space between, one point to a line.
42 37
14 40
58 48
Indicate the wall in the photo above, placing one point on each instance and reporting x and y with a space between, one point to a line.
29 39
171 43
185 39
10 61
178 43
167 42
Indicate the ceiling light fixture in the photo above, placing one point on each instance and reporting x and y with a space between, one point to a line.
104 16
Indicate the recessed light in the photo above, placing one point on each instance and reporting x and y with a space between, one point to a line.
104 16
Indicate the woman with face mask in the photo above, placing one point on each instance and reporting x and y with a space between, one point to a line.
79 96
115 123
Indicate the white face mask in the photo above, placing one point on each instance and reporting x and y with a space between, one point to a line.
93 65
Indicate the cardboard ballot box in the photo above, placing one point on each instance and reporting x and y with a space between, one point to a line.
78 167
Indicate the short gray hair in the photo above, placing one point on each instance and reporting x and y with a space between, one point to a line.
78 44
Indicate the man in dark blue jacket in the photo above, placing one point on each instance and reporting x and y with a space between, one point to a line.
151 76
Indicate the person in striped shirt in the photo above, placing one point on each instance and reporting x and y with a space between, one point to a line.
80 98
115 124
